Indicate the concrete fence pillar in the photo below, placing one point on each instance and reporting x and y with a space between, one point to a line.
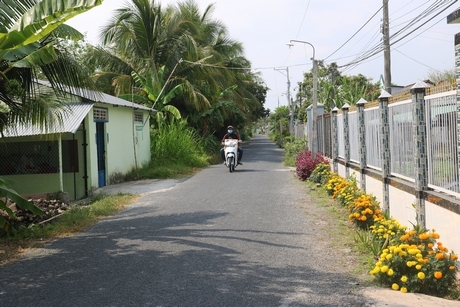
362 142
385 148
420 150
335 140
346 138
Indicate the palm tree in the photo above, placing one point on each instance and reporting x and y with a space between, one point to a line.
178 48
30 34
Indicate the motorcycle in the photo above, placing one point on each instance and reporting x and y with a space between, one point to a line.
231 153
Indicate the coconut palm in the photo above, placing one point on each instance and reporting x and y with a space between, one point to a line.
30 31
177 47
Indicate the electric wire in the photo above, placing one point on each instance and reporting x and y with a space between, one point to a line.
379 47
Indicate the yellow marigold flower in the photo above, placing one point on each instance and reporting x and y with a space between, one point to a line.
395 286
404 278
419 255
409 263
413 251
452 267
389 256
384 269
390 272
418 267
403 290
421 275
378 263
437 275
397 250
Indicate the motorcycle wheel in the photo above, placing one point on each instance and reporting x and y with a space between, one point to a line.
230 164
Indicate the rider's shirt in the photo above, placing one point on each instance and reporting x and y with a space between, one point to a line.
232 135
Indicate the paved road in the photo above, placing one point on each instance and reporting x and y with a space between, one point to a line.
216 239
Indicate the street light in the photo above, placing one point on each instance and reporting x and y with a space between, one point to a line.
315 96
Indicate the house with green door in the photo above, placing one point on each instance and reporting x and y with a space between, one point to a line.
97 140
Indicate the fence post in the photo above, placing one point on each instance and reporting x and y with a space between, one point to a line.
385 147
362 142
346 139
420 152
335 140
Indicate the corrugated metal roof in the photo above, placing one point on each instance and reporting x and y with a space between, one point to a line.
71 120
101 97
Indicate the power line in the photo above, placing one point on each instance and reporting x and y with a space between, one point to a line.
355 33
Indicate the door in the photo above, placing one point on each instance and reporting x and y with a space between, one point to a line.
100 141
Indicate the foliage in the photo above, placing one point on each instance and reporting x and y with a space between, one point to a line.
291 150
369 242
419 263
279 125
9 194
305 164
364 210
186 52
387 230
176 142
343 190
321 174
334 89
31 32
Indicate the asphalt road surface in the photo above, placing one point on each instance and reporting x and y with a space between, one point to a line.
215 239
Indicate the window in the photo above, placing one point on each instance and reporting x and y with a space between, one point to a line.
100 114
138 117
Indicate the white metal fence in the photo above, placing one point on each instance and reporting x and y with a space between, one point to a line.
442 153
373 152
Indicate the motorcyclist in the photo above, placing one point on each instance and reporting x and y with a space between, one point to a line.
231 135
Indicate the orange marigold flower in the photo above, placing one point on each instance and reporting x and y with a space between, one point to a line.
440 256
437 275
454 257
424 236
452 267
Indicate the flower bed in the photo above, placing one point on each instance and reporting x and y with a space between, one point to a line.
406 260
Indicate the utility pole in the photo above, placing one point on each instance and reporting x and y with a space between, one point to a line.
289 99
386 46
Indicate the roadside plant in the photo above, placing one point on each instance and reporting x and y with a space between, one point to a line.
8 195
369 242
364 210
346 191
321 174
418 263
305 164
387 230
332 183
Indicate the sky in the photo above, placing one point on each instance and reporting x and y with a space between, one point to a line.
339 30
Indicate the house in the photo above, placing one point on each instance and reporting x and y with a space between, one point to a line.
99 139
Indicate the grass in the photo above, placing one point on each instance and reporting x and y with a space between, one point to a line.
74 220
342 235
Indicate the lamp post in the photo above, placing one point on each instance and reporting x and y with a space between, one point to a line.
315 96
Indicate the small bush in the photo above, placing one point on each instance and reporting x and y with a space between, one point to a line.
387 230
417 264
364 210
321 174
345 190
305 164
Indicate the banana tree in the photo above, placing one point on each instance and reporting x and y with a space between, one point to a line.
152 95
